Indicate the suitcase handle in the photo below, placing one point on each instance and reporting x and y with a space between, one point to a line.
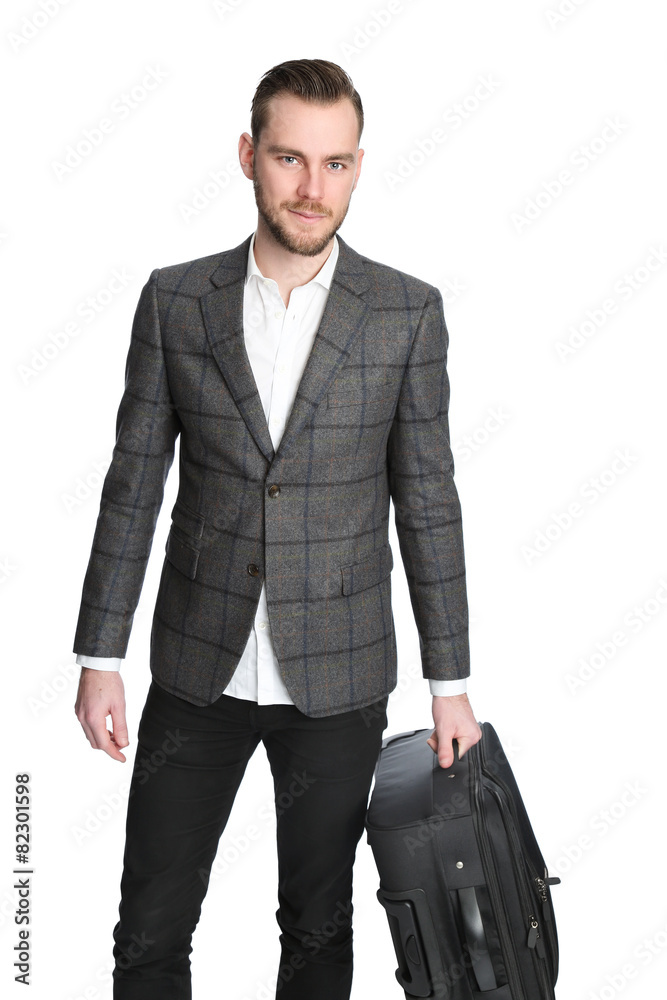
412 972
473 927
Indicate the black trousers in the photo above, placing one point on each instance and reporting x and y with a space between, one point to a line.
188 766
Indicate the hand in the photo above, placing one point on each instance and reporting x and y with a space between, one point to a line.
101 693
453 719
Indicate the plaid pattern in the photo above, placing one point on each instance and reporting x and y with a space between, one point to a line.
369 420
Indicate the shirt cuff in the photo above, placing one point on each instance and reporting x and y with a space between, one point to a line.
448 687
99 662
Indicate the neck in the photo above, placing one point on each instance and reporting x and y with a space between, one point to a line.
286 268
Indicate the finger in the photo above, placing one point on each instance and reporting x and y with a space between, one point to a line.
465 742
104 741
89 733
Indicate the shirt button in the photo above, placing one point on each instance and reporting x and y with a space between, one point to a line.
282 368
253 570
277 314
274 491
263 624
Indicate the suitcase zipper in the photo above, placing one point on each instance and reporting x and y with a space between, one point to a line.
513 969
547 913
541 883
533 940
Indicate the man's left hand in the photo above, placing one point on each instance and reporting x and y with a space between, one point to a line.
454 720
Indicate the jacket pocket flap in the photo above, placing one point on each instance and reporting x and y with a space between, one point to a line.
371 571
181 555
186 519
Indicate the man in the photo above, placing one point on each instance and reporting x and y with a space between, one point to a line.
308 384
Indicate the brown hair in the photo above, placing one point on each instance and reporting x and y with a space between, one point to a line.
315 80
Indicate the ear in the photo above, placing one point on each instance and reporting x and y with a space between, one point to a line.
360 156
246 154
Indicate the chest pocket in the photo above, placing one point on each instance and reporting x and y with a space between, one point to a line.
372 401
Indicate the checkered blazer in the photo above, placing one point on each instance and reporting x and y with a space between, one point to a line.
310 520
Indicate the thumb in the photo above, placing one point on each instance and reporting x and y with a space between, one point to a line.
446 754
119 728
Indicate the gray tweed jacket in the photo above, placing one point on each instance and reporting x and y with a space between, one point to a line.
310 520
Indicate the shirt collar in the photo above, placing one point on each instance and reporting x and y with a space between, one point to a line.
323 276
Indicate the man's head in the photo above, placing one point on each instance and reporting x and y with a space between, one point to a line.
303 156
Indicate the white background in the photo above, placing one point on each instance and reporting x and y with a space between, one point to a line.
589 759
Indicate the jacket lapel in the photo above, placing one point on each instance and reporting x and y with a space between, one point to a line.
222 312
344 316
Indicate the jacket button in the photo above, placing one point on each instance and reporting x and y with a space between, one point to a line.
253 570
274 491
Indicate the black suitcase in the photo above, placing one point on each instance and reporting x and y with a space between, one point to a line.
462 879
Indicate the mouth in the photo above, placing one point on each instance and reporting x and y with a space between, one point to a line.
308 217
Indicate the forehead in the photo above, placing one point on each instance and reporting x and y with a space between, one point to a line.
310 125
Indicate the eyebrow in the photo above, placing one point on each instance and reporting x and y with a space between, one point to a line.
286 151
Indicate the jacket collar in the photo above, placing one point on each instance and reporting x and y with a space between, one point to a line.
344 316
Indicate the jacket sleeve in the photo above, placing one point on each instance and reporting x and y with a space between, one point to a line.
147 426
426 503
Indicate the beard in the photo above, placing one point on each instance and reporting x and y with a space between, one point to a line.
306 244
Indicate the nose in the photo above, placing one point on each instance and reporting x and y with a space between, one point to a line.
311 185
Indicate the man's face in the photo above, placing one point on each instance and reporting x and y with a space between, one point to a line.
305 168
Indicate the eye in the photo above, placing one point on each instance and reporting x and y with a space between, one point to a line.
289 158
336 164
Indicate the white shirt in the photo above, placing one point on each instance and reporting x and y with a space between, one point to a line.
278 341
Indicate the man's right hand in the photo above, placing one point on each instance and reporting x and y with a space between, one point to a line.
101 693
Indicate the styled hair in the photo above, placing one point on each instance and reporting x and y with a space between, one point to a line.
315 80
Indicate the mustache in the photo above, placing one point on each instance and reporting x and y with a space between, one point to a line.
307 206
